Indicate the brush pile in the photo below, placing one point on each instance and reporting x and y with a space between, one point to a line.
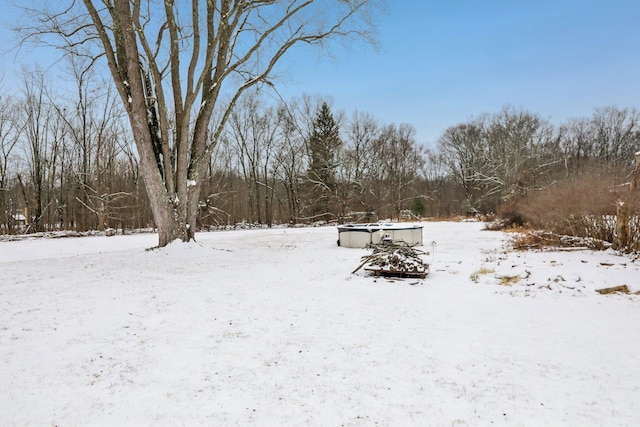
395 260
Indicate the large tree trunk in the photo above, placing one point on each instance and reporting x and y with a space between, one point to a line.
168 216
192 211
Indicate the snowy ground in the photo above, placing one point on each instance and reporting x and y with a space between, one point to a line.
269 327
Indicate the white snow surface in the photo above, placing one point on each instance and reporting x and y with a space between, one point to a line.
270 328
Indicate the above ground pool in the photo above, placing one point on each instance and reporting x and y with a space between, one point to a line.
361 235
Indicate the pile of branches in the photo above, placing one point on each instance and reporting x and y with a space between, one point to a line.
395 259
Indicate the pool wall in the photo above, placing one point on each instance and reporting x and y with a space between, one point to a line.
361 235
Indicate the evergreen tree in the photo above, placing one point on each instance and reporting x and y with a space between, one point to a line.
323 148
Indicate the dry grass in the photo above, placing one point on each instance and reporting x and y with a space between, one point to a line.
475 276
537 240
581 206
509 280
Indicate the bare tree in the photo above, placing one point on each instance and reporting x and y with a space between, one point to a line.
290 163
435 188
495 157
253 128
464 154
9 135
292 154
93 124
576 144
220 204
399 160
174 71
616 134
43 136
605 140
362 130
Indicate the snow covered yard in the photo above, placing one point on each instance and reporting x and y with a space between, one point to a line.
269 327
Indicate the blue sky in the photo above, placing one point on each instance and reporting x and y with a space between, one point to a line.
444 62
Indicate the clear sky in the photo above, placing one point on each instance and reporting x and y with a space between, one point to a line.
444 62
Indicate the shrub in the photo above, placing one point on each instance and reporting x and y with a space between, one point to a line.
583 205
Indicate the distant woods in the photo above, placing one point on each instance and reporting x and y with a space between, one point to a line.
67 161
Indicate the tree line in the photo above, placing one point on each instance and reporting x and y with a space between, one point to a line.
495 158
67 161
